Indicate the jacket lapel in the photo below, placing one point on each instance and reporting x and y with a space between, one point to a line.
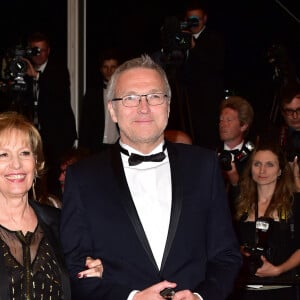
130 207
176 200
128 203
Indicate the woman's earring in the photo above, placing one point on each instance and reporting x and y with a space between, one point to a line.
33 184
33 188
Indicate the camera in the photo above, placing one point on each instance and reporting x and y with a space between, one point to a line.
225 159
17 67
225 156
167 293
261 247
192 21
175 41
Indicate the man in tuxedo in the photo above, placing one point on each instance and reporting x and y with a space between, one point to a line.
48 93
154 212
236 117
96 129
203 76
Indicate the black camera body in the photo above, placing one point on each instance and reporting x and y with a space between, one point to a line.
225 159
17 66
225 156
175 41
167 293
254 260
261 247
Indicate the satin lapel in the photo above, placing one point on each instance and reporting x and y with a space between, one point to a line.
128 203
176 200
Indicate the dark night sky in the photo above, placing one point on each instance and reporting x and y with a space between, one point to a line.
249 27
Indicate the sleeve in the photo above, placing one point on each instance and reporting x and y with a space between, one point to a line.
77 244
224 258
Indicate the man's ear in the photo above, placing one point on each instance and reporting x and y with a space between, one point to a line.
244 127
112 111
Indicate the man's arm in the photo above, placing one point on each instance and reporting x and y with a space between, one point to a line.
224 258
77 244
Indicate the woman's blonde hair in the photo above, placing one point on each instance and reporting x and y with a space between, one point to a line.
13 120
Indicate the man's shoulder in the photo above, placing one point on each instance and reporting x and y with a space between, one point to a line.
103 157
190 151
212 34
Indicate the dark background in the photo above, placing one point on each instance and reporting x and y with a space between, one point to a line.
249 28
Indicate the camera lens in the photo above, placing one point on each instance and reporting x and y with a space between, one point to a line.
18 67
225 160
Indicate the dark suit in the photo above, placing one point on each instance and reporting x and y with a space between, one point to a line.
92 119
203 79
55 115
48 218
58 128
99 219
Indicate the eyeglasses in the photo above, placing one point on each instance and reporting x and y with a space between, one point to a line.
134 100
291 112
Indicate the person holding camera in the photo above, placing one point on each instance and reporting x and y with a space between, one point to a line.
236 117
267 220
48 92
203 76
287 133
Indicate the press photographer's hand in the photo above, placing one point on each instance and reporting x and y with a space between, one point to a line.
267 269
30 69
296 172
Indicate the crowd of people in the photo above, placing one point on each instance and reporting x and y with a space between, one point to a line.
146 206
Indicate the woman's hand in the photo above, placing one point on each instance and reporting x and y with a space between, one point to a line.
233 175
94 268
267 269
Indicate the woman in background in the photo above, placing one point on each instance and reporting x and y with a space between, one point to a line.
268 227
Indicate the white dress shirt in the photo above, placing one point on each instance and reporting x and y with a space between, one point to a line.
150 188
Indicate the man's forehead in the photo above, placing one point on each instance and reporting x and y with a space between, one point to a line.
295 102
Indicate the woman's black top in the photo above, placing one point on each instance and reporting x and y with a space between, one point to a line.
32 265
277 244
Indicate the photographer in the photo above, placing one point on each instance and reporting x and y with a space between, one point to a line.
287 134
203 76
236 117
267 222
48 92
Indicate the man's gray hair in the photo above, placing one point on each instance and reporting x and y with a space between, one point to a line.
144 61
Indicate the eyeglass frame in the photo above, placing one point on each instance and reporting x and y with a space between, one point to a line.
140 99
290 112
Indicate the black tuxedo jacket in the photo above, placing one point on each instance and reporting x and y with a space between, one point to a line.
99 219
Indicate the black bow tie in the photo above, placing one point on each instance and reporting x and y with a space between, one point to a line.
235 151
135 159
